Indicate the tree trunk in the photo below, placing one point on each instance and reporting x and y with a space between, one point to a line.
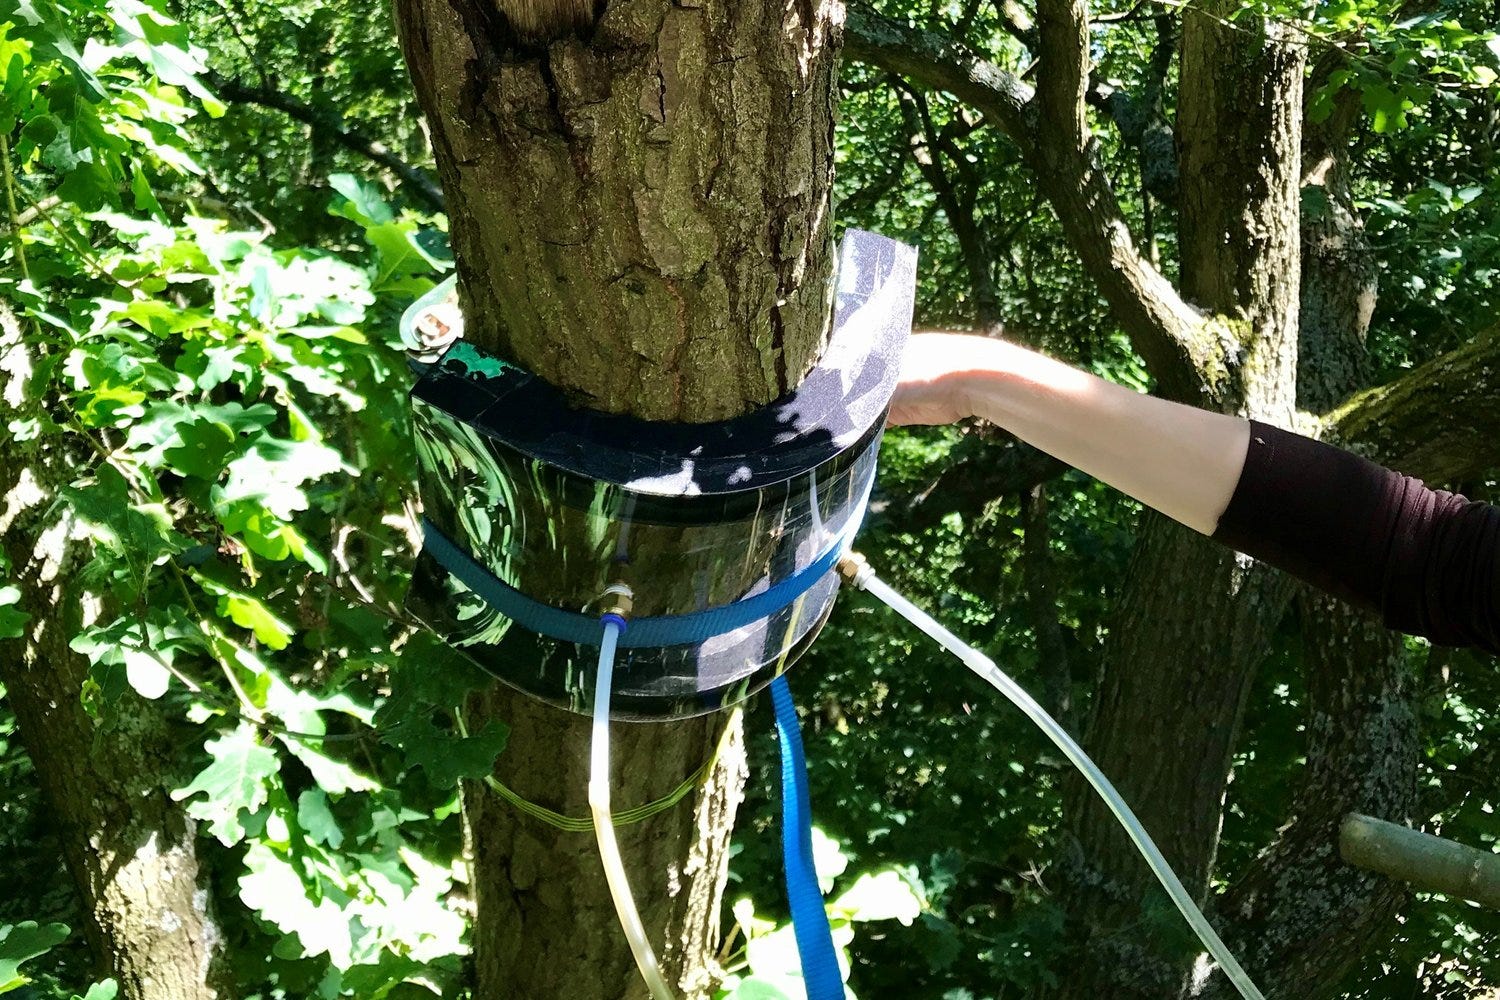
1340 276
128 846
1258 346
1193 619
639 204
1041 604
639 208
1191 627
1301 917
1239 138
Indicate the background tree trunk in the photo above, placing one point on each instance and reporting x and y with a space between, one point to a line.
1301 916
1182 654
639 206
129 847
1176 673
1176 669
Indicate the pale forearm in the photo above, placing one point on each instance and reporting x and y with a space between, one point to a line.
1427 560
1180 460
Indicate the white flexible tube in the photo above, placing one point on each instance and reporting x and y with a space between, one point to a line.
860 574
604 823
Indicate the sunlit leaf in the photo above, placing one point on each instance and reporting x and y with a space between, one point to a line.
146 674
22 942
204 451
236 781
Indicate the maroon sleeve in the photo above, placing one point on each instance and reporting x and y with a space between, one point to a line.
1427 561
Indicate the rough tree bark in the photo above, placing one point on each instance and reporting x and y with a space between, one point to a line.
129 847
640 210
1193 619
1340 276
639 198
1299 914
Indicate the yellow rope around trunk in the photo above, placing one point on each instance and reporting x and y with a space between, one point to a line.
584 824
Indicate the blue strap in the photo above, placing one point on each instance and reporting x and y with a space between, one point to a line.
820 964
661 630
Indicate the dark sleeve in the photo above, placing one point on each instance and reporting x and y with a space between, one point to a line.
1427 561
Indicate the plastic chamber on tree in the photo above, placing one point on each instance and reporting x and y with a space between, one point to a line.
724 533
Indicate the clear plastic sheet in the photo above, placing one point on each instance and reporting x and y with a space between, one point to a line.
550 547
561 504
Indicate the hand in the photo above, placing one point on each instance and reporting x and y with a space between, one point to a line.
936 376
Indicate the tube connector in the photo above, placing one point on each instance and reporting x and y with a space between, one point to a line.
617 600
855 570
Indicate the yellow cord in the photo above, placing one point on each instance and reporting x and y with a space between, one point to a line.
584 824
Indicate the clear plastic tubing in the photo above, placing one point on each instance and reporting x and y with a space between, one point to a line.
604 824
864 578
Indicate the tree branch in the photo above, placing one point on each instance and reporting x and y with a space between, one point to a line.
1428 863
1182 348
1140 118
1439 422
938 64
959 210
968 484
332 126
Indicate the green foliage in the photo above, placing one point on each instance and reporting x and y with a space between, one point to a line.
28 940
237 780
339 61
909 765
1397 58
104 119
244 413
12 618
1440 219
915 764
211 293
432 680
22 942
772 968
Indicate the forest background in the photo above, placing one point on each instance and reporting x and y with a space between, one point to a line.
214 214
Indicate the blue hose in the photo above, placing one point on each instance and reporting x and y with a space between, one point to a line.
820 964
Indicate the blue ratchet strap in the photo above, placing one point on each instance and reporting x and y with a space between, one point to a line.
820 964
660 630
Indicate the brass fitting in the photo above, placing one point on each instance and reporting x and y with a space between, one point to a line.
855 570
617 599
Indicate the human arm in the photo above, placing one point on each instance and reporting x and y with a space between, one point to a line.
1427 561
1180 460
